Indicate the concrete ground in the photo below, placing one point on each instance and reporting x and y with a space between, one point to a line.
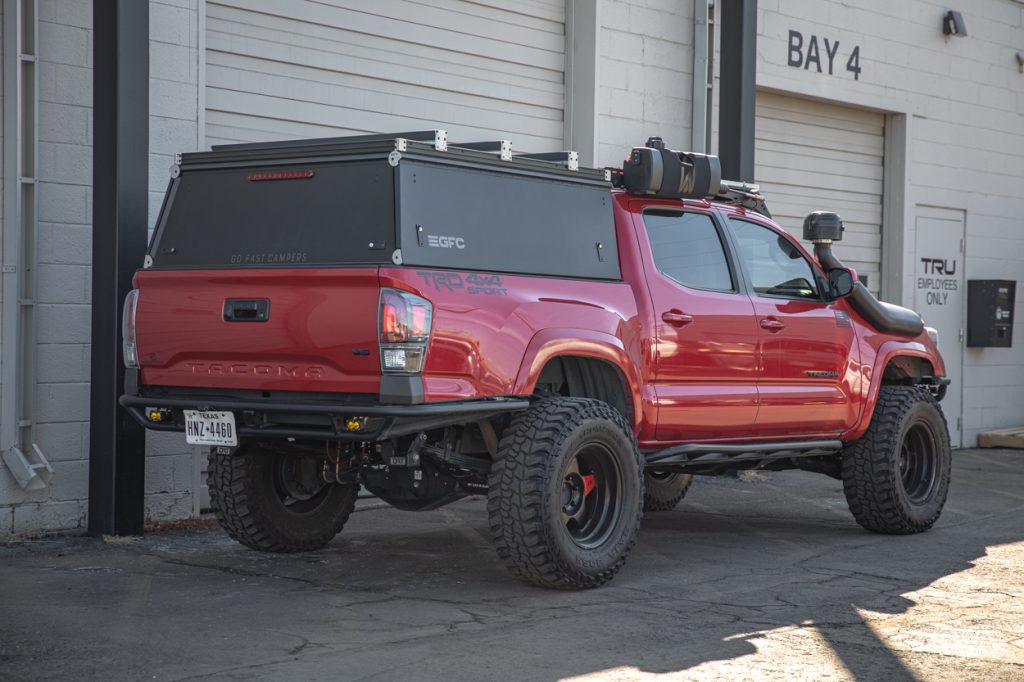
762 578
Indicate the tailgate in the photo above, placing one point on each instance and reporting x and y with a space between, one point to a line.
205 328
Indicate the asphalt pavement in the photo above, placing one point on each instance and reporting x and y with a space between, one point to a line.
766 577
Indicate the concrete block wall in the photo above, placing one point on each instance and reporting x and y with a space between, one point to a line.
65 254
645 75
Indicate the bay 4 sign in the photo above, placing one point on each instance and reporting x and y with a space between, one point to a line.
823 57
210 428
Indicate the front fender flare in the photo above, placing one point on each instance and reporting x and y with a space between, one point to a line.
888 351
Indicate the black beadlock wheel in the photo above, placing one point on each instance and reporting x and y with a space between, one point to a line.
275 502
896 477
566 493
664 490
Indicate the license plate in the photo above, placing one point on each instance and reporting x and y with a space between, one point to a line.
210 428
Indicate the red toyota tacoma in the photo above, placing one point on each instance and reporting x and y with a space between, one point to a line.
429 320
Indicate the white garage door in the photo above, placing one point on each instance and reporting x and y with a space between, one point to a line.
486 69
812 156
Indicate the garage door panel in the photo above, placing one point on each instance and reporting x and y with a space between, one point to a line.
798 176
234 23
819 114
348 90
831 139
439 14
553 10
808 150
823 126
813 156
851 210
344 66
538 50
235 128
236 44
811 163
862 203
227 35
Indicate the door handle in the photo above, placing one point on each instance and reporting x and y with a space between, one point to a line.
772 324
676 318
247 310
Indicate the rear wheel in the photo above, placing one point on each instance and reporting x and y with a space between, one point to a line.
896 477
664 490
566 493
276 502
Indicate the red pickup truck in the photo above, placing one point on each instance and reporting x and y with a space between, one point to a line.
430 320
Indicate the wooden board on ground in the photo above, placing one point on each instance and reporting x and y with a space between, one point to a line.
1006 438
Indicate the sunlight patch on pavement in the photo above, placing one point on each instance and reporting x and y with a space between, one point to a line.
794 653
974 615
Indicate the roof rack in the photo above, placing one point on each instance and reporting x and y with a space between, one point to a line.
425 143
743 194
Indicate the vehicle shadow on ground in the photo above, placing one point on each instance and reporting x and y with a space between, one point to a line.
731 578
422 596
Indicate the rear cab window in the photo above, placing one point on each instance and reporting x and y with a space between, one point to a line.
688 249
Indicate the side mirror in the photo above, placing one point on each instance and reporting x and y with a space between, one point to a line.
840 283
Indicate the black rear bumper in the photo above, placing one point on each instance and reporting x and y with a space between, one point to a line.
319 419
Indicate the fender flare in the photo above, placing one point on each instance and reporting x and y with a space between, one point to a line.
554 342
887 351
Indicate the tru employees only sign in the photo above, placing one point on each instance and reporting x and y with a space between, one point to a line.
937 280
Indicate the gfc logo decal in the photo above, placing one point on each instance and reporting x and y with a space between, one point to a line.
441 242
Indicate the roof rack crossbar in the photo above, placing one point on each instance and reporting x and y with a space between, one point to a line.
504 147
570 158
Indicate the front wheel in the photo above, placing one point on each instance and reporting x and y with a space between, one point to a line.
896 477
277 502
566 493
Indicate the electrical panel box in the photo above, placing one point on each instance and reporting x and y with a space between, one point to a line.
990 312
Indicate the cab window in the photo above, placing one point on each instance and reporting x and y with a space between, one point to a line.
687 248
775 265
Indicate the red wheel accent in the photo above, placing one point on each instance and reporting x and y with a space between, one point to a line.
589 483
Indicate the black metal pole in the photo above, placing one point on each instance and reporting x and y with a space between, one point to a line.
117 444
738 89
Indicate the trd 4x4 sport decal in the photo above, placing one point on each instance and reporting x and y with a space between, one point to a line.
489 285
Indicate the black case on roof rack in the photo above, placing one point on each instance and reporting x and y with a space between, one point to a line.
665 173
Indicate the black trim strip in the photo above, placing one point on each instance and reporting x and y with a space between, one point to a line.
703 454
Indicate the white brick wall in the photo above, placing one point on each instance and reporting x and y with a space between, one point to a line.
645 75
65 212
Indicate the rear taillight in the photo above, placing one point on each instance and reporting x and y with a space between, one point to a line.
130 350
404 331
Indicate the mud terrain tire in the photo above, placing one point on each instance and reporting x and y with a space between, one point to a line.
566 493
664 491
896 477
261 505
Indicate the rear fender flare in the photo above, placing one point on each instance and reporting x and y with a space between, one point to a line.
555 342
